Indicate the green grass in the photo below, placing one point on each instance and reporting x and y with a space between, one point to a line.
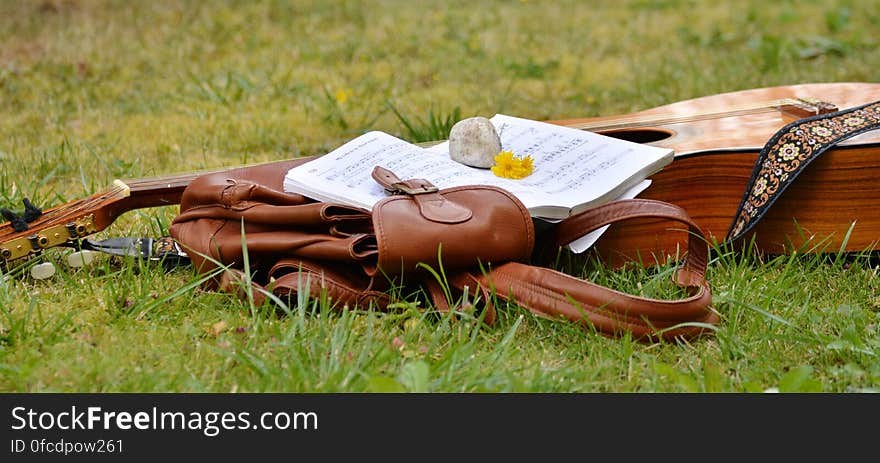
91 91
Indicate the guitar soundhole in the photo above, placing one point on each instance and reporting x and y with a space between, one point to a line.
639 135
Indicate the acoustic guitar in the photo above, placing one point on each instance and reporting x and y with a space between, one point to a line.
830 207
716 140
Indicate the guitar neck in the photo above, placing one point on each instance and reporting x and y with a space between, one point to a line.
155 191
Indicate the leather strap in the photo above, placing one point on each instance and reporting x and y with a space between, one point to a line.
691 273
789 151
550 293
465 284
288 277
432 204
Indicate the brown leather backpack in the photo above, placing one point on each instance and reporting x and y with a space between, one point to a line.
479 237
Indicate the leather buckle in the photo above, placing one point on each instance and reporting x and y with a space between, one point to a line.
404 188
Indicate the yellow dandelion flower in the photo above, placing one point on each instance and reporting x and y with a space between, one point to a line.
341 95
508 166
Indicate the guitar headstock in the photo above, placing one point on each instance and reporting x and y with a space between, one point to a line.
59 226
68 224
20 246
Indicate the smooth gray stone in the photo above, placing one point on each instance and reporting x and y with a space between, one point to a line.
474 142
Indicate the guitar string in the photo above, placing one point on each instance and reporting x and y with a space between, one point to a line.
660 119
635 123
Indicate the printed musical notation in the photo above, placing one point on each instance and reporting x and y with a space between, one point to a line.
572 168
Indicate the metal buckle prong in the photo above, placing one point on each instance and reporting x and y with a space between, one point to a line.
402 187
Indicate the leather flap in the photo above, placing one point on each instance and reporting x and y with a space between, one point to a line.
499 230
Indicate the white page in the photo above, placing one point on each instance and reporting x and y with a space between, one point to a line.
344 175
572 166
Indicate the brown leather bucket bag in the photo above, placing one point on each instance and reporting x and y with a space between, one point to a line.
479 237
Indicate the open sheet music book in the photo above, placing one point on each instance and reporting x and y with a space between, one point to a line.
573 169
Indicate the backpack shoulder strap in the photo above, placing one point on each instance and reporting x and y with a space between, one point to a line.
551 293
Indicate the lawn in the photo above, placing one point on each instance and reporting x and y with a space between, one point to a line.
92 91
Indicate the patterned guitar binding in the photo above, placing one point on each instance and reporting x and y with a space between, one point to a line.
789 151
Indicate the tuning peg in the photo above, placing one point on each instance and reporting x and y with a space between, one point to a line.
42 271
80 258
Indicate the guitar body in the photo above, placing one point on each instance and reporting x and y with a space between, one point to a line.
829 207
